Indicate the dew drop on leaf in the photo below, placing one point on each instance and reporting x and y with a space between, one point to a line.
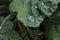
36 7
31 18
0 27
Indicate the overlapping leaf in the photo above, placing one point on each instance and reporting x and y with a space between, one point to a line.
9 35
6 32
28 10
7 25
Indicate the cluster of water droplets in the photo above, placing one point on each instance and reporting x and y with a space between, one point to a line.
31 18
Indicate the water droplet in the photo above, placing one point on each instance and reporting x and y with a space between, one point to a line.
0 27
36 7
31 18
41 18
45 7
43 4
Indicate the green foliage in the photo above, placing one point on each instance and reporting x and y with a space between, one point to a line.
9 35
52 31
6 32
24 13
53 26
32 12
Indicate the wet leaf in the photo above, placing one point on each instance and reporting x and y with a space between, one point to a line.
9 35
31 13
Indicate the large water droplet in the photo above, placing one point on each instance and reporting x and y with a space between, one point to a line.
31 18
36 6
0 27
45 7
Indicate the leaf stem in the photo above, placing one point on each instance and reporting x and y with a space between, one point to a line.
4 21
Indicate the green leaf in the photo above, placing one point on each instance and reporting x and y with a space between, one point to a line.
9 35
7 25
48 7
23 8
27 11
6 32
52 30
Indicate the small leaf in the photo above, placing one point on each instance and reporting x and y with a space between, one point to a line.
9 35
